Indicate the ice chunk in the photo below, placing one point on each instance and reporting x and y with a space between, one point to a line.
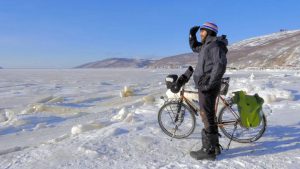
56 100
251 77
3 116
7 115
77 129
80 128
126 115
122 114
131 117
32 108
127 91
42 107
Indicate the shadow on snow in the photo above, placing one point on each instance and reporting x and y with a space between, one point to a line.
279 139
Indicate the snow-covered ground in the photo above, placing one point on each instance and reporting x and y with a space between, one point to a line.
76 119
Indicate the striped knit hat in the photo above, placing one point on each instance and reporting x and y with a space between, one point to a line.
210 26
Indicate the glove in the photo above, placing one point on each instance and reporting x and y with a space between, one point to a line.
188 73
184 78
194 30
179 83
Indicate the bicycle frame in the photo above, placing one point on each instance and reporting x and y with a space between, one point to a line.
187 101
196 109
227 105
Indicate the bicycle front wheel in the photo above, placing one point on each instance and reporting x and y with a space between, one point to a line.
229 123
176 119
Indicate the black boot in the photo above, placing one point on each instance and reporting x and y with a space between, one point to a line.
210 147
218 146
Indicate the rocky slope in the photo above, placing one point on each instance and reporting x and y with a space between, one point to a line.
117 63
277 50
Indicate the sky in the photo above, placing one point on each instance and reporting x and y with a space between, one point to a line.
68 33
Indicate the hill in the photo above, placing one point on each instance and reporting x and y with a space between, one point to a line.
277 50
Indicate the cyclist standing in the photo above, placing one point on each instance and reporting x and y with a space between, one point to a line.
207 77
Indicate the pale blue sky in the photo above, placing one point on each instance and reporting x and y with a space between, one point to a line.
67 33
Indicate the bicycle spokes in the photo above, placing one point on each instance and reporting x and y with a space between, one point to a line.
176 121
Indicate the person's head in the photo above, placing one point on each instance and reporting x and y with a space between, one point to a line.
208 28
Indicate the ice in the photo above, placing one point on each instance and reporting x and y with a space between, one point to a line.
144 141
122 114
56 100
10 150
77 119
80 128
88 152
266 89
252 77
41 107
3 116
126 92
149 99
6 115
40 126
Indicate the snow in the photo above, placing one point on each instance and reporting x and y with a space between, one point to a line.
263 40
76 119
80 128
123 113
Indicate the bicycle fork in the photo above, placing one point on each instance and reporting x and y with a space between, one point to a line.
177 117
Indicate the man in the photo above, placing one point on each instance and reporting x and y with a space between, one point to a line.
207 76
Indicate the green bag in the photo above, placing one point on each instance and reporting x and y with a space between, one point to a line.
249 108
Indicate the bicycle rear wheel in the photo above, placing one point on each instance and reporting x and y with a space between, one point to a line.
176 119
230 126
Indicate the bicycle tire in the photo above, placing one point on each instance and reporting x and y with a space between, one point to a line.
168 108
228 131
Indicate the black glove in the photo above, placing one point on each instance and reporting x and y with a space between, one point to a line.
194 30
188 73
184 78
179 83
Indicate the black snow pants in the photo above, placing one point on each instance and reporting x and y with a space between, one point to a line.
207 101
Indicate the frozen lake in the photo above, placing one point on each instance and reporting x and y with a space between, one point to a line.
75 118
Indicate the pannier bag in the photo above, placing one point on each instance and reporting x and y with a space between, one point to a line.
249 107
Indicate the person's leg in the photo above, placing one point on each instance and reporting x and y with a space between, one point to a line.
210 139
202 102
207 102
209 113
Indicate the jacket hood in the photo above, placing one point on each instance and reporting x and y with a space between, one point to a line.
223 39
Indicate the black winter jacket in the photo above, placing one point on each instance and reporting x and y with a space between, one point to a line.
212 61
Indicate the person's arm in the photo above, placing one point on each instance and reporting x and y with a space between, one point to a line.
194 44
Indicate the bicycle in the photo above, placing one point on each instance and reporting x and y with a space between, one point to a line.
180 118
